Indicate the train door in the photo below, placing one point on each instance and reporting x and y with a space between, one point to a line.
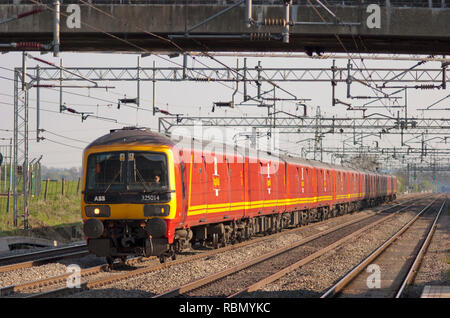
354 186
358 185
328 185
324 195
218 187
333 184
280 174
349 186
198 189
270 186
236 185
319 185
303 177
255 185
295 185
186 176
361 185
373 186
345 185
388 185
377 178
338 185
366 185
246 181
313 186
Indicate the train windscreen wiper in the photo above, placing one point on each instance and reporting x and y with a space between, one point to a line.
137 173
114 179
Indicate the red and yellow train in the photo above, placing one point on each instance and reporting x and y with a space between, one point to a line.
145 194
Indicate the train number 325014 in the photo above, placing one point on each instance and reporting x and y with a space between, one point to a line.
150 197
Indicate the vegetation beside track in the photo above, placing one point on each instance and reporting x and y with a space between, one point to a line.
56 216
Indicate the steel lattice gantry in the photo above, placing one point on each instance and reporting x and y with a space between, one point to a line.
251 74
20 164
376 125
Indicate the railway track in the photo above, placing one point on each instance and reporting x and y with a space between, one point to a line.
9 263
98 276
389 277
256 273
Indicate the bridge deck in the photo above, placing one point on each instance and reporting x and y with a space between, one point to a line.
422 27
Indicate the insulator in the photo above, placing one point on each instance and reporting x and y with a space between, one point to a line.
33 45
259 36
274 21
203 79
426 86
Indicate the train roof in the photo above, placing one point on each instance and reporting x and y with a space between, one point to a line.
136 135
320 164
131 135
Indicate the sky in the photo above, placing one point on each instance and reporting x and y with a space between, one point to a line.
66 135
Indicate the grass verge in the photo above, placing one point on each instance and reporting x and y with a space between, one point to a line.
57 219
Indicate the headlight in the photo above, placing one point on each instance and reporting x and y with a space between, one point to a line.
97 211
156 210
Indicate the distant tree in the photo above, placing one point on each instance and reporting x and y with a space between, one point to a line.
424 186
53 173
400 184
362 161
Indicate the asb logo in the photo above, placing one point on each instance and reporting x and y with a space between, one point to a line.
99 198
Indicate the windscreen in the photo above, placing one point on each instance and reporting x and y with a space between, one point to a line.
105 171
127 171
147 171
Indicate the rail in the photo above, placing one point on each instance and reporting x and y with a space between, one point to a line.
350 276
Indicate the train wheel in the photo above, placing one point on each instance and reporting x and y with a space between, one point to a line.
224 243
215 240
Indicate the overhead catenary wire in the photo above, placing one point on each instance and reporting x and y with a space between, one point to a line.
147 32
170 61
65 137
116 37
63 144
343 46
133 107
110 103
130 43
69 114
177 46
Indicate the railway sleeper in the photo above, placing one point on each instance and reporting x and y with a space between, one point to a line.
118 239
222 234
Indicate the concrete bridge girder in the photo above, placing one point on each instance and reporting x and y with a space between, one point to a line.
402 30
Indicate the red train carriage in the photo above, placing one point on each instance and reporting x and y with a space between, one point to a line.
145 194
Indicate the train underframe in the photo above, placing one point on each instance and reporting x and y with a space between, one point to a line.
121 238
221 234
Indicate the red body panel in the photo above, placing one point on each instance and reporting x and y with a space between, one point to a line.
220 188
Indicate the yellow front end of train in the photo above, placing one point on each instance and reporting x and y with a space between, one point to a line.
128 198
